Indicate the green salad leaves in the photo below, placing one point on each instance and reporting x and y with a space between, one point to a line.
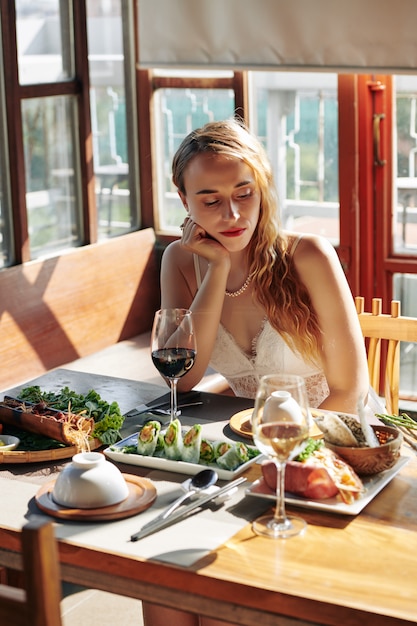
107 417
310 447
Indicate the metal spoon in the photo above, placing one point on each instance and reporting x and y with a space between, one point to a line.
203 480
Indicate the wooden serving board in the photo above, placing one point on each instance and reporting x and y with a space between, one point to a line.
42 456
42 424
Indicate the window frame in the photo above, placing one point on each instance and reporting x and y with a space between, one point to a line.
77 87
149 82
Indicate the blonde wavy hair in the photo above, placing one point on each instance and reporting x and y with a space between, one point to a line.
277 287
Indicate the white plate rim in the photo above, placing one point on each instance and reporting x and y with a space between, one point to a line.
178 467
10 442
373 485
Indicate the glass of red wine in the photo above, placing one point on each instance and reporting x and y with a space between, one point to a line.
173 347
280 426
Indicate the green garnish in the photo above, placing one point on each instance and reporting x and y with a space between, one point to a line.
311 446
107 417
32 441
128 450
403 420
253 452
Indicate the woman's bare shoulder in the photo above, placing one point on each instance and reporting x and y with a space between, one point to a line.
177 261
175 254
307 247
173 250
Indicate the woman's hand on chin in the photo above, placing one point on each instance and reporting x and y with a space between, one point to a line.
196 240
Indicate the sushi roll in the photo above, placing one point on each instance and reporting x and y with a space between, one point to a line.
173 444
235 456
206 452
191 444
220 448
148 438
159 450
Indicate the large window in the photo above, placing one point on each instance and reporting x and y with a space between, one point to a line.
405 241
43 41
52 198
298 117
113 116
178 111
405 214
49 123
68 164
6 238
294 114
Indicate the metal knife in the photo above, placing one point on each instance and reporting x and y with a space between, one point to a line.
146 408
143 412
164 404
178 515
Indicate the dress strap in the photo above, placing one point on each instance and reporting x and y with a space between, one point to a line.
294 245
197 270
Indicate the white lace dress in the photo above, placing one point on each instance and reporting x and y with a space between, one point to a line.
270 355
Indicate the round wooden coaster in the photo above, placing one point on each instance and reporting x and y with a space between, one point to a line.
142 494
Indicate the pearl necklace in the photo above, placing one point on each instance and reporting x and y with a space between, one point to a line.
235 294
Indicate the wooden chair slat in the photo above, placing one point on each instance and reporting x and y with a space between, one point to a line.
38 604
383 334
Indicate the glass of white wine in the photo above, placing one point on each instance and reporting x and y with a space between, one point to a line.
173 347
280 425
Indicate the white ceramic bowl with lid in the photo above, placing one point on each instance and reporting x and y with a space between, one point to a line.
90 482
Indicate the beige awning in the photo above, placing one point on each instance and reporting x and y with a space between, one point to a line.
335 35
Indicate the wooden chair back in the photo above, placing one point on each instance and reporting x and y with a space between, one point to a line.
383 334
38 603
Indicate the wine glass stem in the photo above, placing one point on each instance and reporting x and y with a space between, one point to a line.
173 382
280 516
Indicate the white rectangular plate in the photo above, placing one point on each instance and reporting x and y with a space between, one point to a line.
179 467
373 485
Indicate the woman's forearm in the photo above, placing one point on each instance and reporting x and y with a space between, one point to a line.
207 308
344 401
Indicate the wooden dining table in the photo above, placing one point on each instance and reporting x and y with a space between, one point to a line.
344 570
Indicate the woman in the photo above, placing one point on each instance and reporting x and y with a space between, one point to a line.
264 300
